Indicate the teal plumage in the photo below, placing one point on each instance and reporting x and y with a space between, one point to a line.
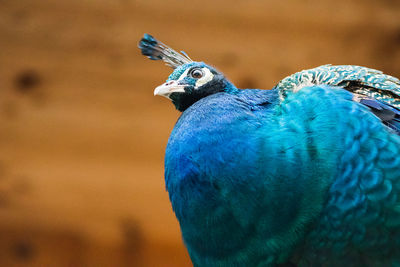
370 87
307 173
380 86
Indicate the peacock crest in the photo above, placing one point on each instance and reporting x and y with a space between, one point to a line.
156 50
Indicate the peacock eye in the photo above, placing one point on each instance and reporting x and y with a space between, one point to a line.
196 73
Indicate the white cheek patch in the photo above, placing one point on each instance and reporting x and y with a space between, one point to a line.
208 76
184 74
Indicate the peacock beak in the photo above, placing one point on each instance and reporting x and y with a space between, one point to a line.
168 88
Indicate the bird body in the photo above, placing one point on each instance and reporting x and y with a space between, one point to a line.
306 173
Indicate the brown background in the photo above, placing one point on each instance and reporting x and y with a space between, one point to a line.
82 137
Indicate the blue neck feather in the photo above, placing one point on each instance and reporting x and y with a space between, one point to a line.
241 173
220 207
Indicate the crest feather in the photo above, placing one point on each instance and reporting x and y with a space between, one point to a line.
156 50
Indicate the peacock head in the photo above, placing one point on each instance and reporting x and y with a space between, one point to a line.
190 81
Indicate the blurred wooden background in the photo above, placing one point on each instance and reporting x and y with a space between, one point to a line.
82 137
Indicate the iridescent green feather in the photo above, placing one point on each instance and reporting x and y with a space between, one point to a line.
377 85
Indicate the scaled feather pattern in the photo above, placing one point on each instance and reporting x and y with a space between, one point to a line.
304 174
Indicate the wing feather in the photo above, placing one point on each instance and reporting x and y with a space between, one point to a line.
370 87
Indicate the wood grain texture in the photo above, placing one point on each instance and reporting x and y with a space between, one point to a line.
82 137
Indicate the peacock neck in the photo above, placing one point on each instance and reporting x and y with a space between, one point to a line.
212 209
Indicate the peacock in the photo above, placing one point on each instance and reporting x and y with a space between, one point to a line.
304 174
